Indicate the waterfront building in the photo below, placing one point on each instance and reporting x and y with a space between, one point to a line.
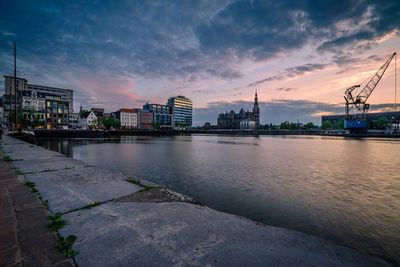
145 119
162 115
128 117
1 112
247 124
231 120
98 111
57 112
88 120
336 120
182 110
49 105
73 120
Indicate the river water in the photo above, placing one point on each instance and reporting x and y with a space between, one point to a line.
343 190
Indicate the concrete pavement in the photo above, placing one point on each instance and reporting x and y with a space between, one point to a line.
25 239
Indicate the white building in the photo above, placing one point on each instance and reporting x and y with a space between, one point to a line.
248 125
128 118
88 121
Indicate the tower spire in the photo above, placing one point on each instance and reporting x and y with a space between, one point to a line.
256 110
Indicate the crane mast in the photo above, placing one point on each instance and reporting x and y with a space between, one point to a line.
358 122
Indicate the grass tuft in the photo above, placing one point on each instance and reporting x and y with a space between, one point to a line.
65 245
145 189
7 159
133 181
56 222
32 186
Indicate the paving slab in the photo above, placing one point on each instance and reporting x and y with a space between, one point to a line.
44 165
25 239
183 234
74 188
19 152
31 158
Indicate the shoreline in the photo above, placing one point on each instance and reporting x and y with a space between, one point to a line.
65 183
59 133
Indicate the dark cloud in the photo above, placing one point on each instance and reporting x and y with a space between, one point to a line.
344 61
384 18
286 89
292 72
179 38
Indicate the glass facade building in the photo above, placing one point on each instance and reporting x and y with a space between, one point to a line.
162 115
182 109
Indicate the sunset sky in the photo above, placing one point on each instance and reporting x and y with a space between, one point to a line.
300 56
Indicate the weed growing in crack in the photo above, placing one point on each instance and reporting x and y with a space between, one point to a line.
133 181
32 186
65 245
146 188
7 159
56 222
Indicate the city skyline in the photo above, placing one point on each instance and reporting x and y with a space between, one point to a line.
299 56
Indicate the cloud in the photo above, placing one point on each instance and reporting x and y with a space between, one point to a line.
174 39
286 89
344 61
380 19
158 40
8 34
292 72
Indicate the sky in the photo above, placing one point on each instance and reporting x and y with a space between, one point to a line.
300 56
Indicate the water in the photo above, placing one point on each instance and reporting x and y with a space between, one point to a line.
343 190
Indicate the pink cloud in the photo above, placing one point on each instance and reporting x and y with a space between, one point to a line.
110 92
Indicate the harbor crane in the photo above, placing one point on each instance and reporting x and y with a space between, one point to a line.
357 121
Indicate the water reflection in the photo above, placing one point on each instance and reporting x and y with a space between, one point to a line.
344 190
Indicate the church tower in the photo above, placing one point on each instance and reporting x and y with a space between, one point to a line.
256 111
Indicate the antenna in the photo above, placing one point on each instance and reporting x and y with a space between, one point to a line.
15 84
395 83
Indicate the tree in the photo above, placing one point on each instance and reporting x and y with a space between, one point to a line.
84 113
111 122
327 125
285 125
310 125
381 122
341 124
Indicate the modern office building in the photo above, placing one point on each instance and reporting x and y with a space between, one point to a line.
182 110
50 105
57 112
162 115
